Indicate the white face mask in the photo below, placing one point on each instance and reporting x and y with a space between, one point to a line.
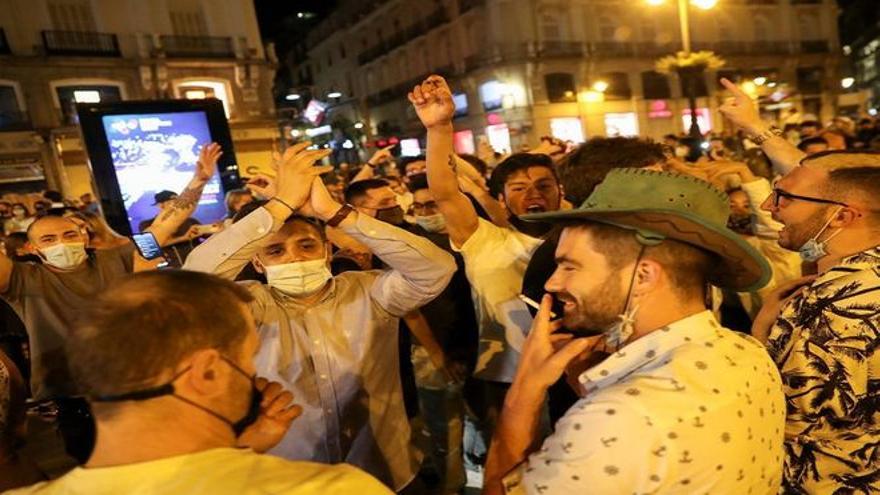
300 278
432 223
813 250
64 256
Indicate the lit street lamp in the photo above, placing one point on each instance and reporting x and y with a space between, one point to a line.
689 74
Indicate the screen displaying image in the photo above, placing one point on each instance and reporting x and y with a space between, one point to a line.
153 152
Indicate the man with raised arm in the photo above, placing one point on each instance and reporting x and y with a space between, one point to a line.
331 340
46 295
495 257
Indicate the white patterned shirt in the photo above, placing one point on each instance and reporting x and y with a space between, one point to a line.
691 408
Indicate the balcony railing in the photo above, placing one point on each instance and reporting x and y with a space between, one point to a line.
197 46
14 121
4 45
815 46
560 49
81 43
435 19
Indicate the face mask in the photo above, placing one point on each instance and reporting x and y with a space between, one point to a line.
432 223
299 278
393 215
238 427
64 256
18 213
740 225
813 250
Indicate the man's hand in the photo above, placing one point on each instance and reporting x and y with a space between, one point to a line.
773 304
718 171
381 156
553 147
277 412
206 167
295 174
545 355
262 186
433 103
741 110
321 204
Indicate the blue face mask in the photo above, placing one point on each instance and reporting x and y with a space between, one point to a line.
813 250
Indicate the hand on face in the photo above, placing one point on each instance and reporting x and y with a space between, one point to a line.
433 102
277 412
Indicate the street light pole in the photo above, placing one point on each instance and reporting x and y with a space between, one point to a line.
685 26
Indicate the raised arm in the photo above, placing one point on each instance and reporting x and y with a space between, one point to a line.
741 110
226 253
433 103
368 171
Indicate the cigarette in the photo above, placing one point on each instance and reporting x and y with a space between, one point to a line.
526 299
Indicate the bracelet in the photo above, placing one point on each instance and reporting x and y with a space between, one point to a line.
340 215
292 210
764 136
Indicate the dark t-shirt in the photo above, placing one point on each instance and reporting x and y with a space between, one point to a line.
175 254
47 302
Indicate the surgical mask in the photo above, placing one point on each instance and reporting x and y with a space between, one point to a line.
432 223
300 278
238 427
64 256
18 213
813 250
393 215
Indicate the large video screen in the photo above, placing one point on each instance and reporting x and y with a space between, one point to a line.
155 152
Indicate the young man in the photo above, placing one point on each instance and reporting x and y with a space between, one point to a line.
680 405
332 341
180 244
822 336
166 359
47 295
495 257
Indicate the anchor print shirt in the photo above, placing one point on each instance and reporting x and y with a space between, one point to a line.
691 408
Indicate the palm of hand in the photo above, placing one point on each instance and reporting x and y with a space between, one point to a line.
436 110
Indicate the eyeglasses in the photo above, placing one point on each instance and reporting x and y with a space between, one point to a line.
780 193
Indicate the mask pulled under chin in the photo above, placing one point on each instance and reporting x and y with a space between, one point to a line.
534 229
300 278
64 256
813 250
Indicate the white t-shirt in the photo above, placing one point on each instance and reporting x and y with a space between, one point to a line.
691 408
216 472
495 260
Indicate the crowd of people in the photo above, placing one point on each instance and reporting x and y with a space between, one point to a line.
697 315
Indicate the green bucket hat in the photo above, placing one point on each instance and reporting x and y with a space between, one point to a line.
664 205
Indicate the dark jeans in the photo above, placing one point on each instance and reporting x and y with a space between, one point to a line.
77 427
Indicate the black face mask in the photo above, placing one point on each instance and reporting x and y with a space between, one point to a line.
392 215
238 427
740 224
534 229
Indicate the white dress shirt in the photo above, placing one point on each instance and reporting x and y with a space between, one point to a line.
691 408
339 356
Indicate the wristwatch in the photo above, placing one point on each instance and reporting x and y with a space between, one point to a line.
340 215
769 133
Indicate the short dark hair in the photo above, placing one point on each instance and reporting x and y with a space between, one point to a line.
687 266
583 169
144 325
811 123
53 196
257 204
234 194
515 163
358 190
805 143
477 163
401 165
418 182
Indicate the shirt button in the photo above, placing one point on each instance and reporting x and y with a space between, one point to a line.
372 232
316 341
261 230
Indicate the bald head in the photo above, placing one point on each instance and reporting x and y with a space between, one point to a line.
50 230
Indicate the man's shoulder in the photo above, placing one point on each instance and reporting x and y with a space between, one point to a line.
491 240
277 475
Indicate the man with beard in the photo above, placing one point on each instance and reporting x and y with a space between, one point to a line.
824 336
495 257
680 404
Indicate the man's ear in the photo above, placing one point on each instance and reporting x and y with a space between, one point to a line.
648 277
30 248
208 374
844 217
258 265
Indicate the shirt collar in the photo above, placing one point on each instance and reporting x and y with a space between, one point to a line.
649 349
865 260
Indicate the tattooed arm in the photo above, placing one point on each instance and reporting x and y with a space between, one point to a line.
183 207
434 106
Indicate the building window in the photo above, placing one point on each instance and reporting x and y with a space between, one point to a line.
655 86
649 30
567 129
200 89
607 29
762 28
69 96
188 21
551 28
618 86
492 95
72 15
12 112
560 87
809 80
699 84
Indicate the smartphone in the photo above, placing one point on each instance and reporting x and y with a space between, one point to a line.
147 246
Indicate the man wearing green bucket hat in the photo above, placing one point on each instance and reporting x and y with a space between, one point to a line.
680 405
